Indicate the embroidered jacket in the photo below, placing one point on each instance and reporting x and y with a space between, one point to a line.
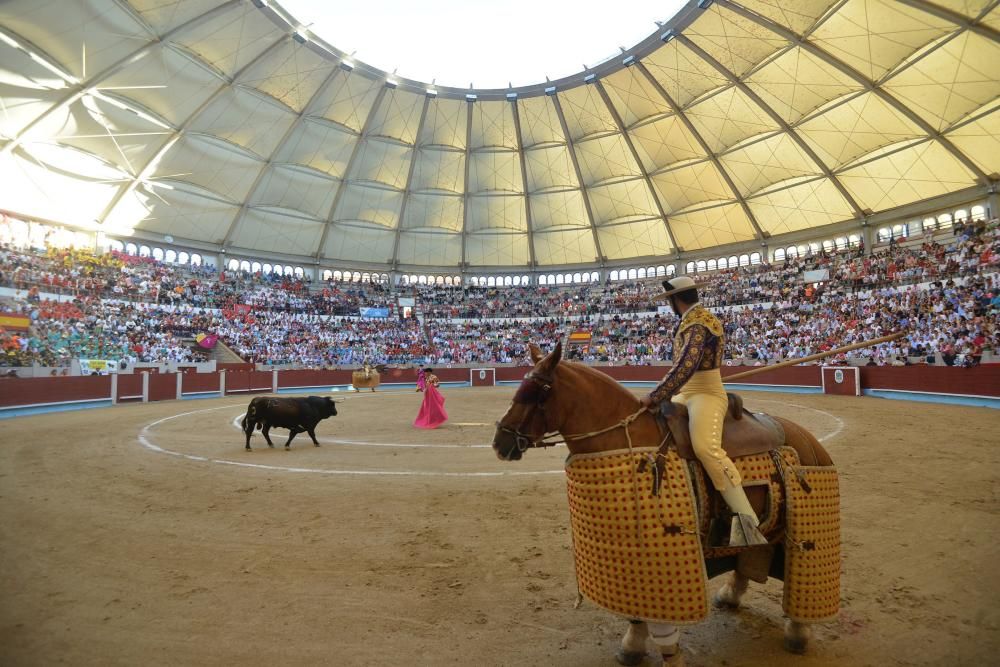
698 346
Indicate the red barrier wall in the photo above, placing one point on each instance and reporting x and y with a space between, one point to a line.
130 385
163 387
28 391
200 382
977 381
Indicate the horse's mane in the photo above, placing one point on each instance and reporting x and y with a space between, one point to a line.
601 378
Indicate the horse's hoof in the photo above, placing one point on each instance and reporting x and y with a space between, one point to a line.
248 449
796 645
629 658
287 448
315 444
719 601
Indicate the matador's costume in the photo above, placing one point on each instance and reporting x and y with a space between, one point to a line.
696 380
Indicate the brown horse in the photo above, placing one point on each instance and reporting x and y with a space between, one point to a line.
566 398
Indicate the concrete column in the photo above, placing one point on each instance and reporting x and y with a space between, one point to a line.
274 382
145 386
992 204
222 382
114 389
180 385
868 234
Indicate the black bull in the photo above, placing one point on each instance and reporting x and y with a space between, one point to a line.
298 415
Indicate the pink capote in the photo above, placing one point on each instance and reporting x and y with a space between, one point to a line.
421 381
432 412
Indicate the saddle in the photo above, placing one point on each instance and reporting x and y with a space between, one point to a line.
743 433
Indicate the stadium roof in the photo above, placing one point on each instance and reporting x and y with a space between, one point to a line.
228 124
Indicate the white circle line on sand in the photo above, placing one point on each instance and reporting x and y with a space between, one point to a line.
144 439
366 443
824 438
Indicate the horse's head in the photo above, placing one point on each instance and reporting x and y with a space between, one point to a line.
528 419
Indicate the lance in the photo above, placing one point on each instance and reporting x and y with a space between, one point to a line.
816 357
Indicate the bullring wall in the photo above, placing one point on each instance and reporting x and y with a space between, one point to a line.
24 395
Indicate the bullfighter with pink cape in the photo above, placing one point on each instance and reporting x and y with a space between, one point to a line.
432 412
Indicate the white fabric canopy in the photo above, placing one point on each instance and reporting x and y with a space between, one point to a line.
216 122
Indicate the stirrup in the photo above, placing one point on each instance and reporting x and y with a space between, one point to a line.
744 532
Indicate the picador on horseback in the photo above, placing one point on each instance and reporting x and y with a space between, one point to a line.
696 380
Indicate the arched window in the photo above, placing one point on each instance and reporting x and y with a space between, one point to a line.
633 274
560 280
814 248
491 282
327 274
689 267
961 215
779 255
671 270
929 224
542 280
650 271
791 251
158 254
830 245
577 278
713 265
131 249
700 266
723 264
594 276
755 258
336 275
233 265
144 251
661 271
255 267
170 256
196 259
507 281
899 231
854 240
245 266
642 273
299 272
978 212
883 235
183 258
115 245
944 221
614 275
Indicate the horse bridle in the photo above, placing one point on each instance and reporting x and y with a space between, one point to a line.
525 441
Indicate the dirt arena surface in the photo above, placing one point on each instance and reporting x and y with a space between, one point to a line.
139 535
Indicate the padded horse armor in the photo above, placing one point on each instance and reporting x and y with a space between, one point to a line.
743 433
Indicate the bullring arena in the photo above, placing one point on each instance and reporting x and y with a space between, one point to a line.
505 297
151 536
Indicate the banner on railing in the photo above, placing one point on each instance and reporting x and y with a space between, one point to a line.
14 321
98 366
206 341
817 276
374 312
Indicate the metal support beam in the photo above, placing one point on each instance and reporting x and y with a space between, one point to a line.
758 232
579 177
347 170
81 89
859 78
238 218
635 156
183 129
465 183
788 129
972 25
524 182
409 182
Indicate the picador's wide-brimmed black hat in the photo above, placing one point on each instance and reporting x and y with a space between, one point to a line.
678 284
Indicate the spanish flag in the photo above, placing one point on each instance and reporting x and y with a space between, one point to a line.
14 321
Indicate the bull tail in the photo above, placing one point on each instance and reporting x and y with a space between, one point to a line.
243 423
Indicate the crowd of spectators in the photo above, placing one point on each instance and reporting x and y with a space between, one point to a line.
944 292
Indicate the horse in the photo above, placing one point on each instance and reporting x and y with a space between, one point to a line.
366 377
594 414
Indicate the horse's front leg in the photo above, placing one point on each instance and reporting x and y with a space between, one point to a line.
731 593
665 637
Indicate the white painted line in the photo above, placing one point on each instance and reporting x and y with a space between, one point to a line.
824 438
143 439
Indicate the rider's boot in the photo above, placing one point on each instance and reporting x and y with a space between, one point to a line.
744 531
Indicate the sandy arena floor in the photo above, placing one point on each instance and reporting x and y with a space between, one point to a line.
421 548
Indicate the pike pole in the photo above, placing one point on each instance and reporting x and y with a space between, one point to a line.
815 357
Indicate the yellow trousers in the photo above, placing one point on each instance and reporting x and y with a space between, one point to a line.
706 401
